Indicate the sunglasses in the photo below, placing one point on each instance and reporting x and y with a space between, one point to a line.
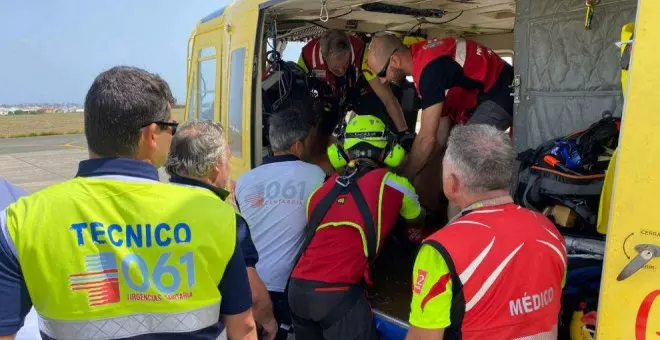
173 124
383 71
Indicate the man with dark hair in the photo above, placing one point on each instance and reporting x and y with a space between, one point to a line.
272 198
137 250
111 114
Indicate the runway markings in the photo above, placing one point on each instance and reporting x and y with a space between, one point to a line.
73 146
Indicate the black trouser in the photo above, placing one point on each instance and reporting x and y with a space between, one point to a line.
496 107
370 104
330 311
364 101
282 314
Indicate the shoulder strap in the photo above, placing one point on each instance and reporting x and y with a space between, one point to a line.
313 222
368 219
457 309
317 216
342 184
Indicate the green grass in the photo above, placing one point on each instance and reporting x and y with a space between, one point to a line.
50 124
46 133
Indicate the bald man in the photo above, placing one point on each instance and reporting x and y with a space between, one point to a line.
459 82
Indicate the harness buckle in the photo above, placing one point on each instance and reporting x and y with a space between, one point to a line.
346 179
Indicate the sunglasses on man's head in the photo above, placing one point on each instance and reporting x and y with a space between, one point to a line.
383 71
173 124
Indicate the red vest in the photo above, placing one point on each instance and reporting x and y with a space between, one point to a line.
336 254
479 63
318 67
506 264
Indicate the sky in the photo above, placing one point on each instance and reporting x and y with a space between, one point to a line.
52 50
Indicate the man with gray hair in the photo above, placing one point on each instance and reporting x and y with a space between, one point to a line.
337 60
199 158
467 276
273 199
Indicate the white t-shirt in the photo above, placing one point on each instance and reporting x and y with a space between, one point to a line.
273 200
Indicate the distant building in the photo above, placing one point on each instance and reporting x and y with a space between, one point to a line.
48 110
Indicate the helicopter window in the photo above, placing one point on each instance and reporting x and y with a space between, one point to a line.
206 86
237 73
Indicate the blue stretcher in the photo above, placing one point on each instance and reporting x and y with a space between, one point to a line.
389 328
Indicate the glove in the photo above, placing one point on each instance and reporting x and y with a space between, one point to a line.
406 139
327 107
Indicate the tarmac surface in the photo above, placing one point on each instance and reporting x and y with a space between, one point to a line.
33 163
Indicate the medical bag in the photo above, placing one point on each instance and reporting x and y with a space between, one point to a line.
563 177
285 84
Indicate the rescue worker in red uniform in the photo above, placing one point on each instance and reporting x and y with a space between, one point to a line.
459 82
337 60
497 270
349 218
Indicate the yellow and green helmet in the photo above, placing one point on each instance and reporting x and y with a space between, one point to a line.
366 136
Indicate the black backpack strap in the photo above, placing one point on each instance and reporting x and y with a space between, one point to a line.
368 219
532 189
314 221
318 213
343 183
581 209
355 291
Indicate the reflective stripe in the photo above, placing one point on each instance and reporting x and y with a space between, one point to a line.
365 247
314 56
551 233
381 190
131 325
402 189
124 178
548 335
5 233
555 250
318 47
486 211
471 222
461 52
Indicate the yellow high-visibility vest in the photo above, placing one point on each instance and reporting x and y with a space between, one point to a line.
109 259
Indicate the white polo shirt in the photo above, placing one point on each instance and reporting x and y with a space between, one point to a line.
273 199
